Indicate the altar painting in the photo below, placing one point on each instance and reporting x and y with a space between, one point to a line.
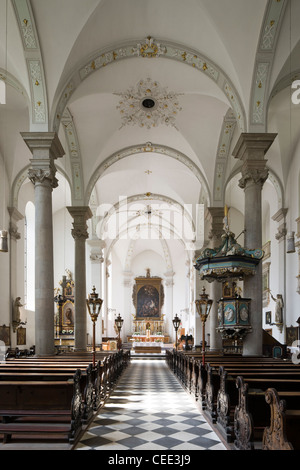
148 297
148 302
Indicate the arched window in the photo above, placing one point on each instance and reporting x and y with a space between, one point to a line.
29 239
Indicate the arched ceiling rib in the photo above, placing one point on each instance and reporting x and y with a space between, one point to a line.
144 150
150 49
212 57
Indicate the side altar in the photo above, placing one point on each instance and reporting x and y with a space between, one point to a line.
64 317
148 321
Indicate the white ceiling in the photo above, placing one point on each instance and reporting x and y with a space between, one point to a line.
70 34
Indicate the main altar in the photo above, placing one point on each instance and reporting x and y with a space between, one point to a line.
148 322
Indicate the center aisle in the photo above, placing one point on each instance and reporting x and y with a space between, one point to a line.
149 410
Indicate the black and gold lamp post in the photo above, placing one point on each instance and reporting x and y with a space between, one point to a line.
119 323
94 304
176 323
203 306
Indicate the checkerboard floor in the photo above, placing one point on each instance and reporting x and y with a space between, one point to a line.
149 410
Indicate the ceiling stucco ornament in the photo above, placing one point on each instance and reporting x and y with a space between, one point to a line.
263 63
147 49
34 60
148 105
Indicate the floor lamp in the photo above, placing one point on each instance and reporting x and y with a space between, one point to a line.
119 323
94 304
203 306
176 323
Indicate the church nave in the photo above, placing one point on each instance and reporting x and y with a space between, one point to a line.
149 410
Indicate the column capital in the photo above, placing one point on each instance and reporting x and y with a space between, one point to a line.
45 148
254 171
279 217
43 144
253 146
80 215
280 214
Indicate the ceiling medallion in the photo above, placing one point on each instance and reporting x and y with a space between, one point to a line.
148 105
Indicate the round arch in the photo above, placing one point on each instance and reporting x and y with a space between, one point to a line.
148 48
145 149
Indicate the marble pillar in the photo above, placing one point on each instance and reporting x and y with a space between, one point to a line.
45 148
251 149
215 219
95 279
80 216
168 307
128 308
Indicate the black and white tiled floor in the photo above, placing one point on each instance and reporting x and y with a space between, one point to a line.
149 410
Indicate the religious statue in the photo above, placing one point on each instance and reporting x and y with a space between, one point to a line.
278 307
16 310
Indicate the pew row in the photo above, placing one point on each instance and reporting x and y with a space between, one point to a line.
43 399
232 393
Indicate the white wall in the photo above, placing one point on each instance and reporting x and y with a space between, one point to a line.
4 257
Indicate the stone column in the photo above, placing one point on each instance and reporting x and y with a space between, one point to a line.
45 148
215 217
168 308
80 215
95 278
128 306
251 149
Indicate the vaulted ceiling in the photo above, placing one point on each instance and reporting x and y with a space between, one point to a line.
148 98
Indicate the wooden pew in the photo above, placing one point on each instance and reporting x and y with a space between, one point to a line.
227 398
50 374
252 415
223 405
284 429
47 408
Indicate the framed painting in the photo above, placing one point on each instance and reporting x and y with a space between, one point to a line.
291 335
148 297
268 317
5 334
21 336
69 289
67 316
